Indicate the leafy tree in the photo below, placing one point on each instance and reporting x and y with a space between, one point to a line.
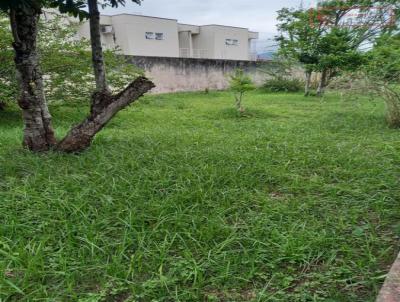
299 34
320 41
240 83
336 54
24 18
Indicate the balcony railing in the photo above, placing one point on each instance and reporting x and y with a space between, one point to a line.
184 53
200 53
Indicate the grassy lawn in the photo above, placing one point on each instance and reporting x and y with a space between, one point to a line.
179 199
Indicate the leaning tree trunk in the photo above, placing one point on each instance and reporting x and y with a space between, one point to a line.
38 131
322 83
81 136
308 83
104 105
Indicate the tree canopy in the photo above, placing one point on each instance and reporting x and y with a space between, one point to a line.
323 40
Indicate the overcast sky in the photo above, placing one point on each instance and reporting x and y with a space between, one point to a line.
257 15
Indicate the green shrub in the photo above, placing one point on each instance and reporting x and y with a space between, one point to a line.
240 83
280 84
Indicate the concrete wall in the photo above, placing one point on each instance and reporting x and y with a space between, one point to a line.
186 74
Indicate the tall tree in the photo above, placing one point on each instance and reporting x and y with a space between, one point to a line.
299 34
322 40
38 132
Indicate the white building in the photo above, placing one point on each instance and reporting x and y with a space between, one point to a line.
139 35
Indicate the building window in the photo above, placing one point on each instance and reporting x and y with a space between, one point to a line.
149 35
159 36
233 42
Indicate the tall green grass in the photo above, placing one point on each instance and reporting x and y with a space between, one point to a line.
181 199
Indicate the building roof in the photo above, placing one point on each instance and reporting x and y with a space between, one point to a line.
137 15
145 16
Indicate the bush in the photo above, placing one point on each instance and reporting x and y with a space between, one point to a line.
280 84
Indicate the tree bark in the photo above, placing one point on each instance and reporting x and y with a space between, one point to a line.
104 105
308 83
38 131
322 83
97 50
81 136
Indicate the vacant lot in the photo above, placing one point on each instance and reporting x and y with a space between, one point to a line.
179 199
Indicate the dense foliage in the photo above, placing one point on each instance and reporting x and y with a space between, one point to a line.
322 41
66 63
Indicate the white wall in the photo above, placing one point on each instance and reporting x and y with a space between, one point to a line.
204 42
231 52
130 34
212 38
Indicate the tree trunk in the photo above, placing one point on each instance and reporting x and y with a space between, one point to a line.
239 98
308 83
104 105
322 83
38 132
81 136
97 50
